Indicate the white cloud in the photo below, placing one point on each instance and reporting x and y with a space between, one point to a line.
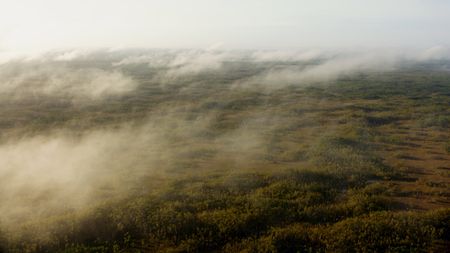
21 79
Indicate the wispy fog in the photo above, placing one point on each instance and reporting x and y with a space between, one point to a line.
35 79
54 160
111 102
97 74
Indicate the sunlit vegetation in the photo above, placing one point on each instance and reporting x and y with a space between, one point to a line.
354 165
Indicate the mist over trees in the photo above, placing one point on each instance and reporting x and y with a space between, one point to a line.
146 150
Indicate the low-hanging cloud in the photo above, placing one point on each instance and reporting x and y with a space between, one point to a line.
44 174
325 68
285 55
59 169
58 73
175 64
65 170
283 67
21 80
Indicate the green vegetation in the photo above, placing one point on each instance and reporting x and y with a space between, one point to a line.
341 167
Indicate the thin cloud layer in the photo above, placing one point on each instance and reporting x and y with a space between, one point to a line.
58 73
156 113
21 80
64 170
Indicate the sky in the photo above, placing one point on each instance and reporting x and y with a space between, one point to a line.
232 24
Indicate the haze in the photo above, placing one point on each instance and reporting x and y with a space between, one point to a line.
224 126
251 24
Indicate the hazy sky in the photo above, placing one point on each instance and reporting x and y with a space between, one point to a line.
259 24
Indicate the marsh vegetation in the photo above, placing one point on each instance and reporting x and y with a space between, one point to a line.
189 151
